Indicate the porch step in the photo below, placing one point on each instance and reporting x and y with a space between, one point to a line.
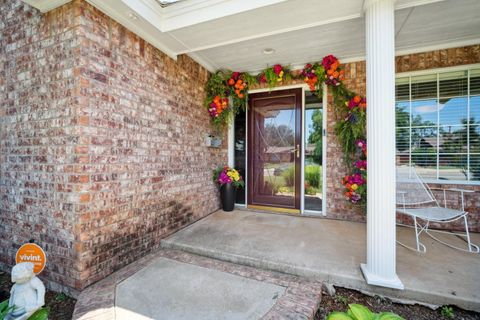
331 251
172 284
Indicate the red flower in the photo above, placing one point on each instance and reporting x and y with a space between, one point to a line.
263 79
235 75
328 61
277 69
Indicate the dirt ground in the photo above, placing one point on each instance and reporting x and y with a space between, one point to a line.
60 306
343 297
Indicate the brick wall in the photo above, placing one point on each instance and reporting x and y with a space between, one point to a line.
101 147
38 135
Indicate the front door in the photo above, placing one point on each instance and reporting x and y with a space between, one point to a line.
274 145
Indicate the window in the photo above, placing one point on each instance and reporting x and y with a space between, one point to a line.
438 124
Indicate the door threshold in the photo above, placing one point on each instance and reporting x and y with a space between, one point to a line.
274 209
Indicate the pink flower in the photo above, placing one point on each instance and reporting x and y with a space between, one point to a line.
277 69
224 178
361 164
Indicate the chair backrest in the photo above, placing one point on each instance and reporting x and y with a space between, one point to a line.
411 189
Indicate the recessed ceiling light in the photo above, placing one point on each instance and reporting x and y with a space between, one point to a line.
132 16
268 51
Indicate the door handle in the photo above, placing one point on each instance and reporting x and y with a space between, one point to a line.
297 151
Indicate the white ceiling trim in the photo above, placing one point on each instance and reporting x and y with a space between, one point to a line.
191 12
46 5
198 11
271 33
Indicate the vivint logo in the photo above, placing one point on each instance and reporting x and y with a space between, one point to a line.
30 257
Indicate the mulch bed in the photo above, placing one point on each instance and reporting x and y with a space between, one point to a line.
61 306
343 297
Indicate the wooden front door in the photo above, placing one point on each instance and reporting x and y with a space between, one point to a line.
274 149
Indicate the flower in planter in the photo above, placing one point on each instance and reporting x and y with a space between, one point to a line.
227 175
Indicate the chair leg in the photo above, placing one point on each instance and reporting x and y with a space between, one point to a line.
471 247
416 233
467 235
418 230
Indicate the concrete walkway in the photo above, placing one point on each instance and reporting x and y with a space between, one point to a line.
177 285
331 251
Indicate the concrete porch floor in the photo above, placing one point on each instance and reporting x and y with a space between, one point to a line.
331 251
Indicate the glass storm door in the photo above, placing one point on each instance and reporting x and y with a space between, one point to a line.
274 157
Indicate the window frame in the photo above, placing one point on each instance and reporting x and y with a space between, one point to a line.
437 72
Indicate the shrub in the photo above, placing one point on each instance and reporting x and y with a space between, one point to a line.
313 175
289 176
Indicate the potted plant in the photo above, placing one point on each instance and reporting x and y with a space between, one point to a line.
229 180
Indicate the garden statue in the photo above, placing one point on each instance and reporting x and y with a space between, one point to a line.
27 294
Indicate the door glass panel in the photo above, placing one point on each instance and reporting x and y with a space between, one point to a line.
240 151
313 152
275 150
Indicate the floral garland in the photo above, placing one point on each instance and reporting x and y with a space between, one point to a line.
275 75
227 93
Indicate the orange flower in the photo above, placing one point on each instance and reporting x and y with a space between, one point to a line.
241 95
231 82
357 99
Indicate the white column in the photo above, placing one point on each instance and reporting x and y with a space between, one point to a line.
380 46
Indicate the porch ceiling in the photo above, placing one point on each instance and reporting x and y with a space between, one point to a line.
233 33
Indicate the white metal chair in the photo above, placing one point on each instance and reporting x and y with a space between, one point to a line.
415 199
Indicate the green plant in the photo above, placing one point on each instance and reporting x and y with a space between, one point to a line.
313 175
447 312
359 312
341 299
4 309
275 75
60 296
40 314
289 176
